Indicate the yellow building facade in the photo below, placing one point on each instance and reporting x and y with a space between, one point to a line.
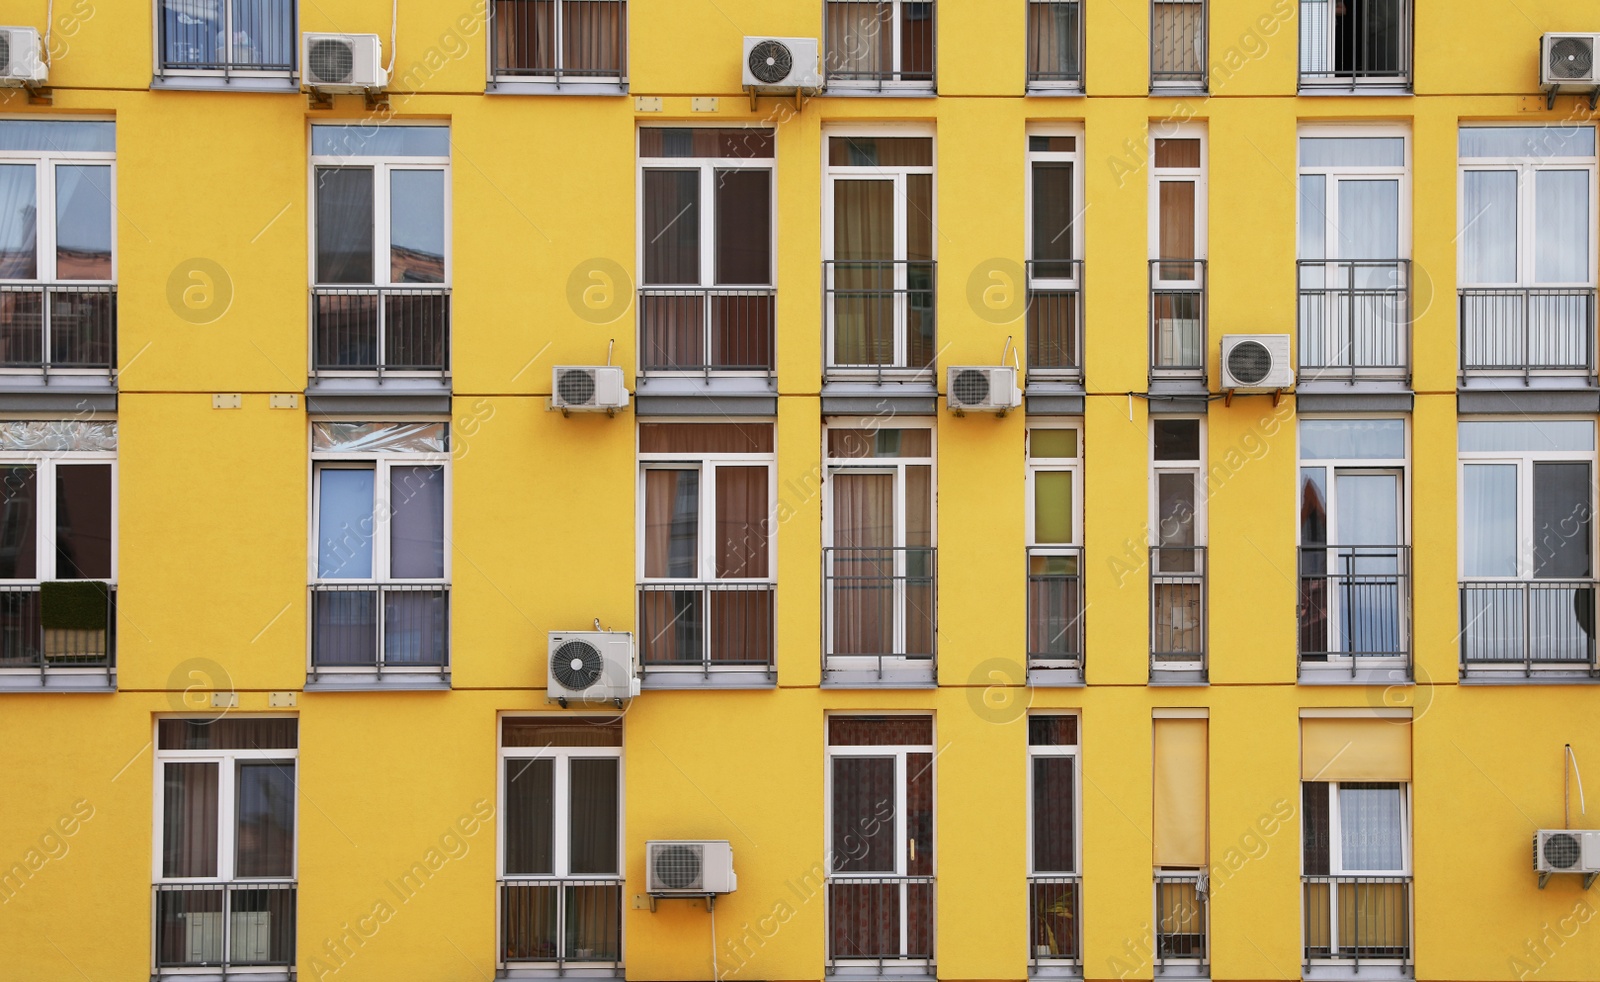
921 668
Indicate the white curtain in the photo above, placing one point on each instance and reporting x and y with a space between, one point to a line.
1370 828
1489 527
1316 18
1489 227
1561 227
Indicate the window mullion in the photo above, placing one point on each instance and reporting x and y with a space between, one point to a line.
561 806
227 815
381 519
708 245
708 522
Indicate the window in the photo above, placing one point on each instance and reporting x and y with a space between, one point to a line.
705 560
880 842
57 552
1177 545
1180 792
560 41
225 820
878 269
561 846
380 571
879 553
1355 42
1354 234
1055 887
1178 44
1527 249
1355 573
1527 545
1055 248
1055 552
706 300
1356 842
1178 255
58 294
229 38
381 260
1055 45
879 43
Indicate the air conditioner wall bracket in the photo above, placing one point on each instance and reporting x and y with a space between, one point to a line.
1588 879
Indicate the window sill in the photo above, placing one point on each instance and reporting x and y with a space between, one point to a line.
428 393
891 677
564 972
1052 678
1178 676
1063 971
32 390
1335 674
881 90
1055 89
1516 675
1053 392
873 971
1333 395
269 84
59 680
698 394
231 975
1345 88
1533 395
904 393
1370 970
392 680
692 679
1179 89
1193 970
523 86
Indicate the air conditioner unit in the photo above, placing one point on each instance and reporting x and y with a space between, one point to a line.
587 388
342 62
1556 851
986 388
592 667
1256 361
20 63
251 937
689 868
781 63
1566 62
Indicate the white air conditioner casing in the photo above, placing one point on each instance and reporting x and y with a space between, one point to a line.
1258 362
785 64
342 62
689 867
587 388
592 666
1567 62
20 61
982 388
251 936
1557 851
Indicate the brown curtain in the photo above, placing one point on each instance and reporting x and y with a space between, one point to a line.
698 438
735 142
859 37
529 815
863 564
880 731
593 820
744 227
671 227
525 35
741 522
1053 40
671 523
1055 816
863 272
880 151
592 37
561 731
1176 240
189 822
265 733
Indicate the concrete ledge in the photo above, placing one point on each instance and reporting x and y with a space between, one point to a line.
895 398
1053 678
393 680
919 677
1360 396
1520 400
676 395
1052 398
1316 674
287 85
37 392
669 680
34 681
531 87
1178 396
367 394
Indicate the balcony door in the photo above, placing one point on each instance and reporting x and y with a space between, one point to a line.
881 564
1360 561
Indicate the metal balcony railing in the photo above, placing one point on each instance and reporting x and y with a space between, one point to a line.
576 40
380 627
1055 921
1527 330
1178 43
1177 608
885 921
561 922
1355 606
878 41
1055 43
1355 318
879 604
1055 607
1357 919
720 329
1533 626
58 327
372 330
1355 42
1178 318
225 926
241 36
1055 318
48 628
717 624
1182 921
880 315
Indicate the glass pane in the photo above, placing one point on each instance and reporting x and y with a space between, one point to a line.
880 731
1053 215
19 503
367 140
1177 439
858 443
344 523
697 438
1054 815
1175 509
1053 443
671 523
416 226
554 730
863 220
1527 141
1052 507
264 840
1489 226
1369 510
373 437
1352 151
83 222
1315 833
1313 508
1369 219
344 224
1052 731
1371 827
594 817
705 141
58 136
1176 239
1524 435
916 39
864 803
1357 439
263 34
592 37
1176 152
1313 216
744 226
919 217
416 504
19 222
672 226
1562 508
83 521
880 151
189 819
919 814
530 816
261 733
1562 224
1489 519
741 522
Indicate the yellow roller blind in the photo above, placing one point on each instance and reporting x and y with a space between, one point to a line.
1355 749
1180 792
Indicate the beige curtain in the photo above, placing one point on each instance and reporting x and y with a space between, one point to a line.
859 37
1355 749
1181 780
671 500
863 272
863 563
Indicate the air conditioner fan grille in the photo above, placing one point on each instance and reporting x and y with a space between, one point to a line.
770 61
1561 851
576 665
331 60
1571 58
970 387
678 866
576 388
1249 362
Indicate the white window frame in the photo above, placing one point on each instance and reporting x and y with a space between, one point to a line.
1080 206
1524 461
227 803
1179 175
1336 865
1336 465
382 168
707 168
1333 175
45 463
894 67
1196 468
1072 465
1075 751
706 465
158 61
1525 169
45 199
